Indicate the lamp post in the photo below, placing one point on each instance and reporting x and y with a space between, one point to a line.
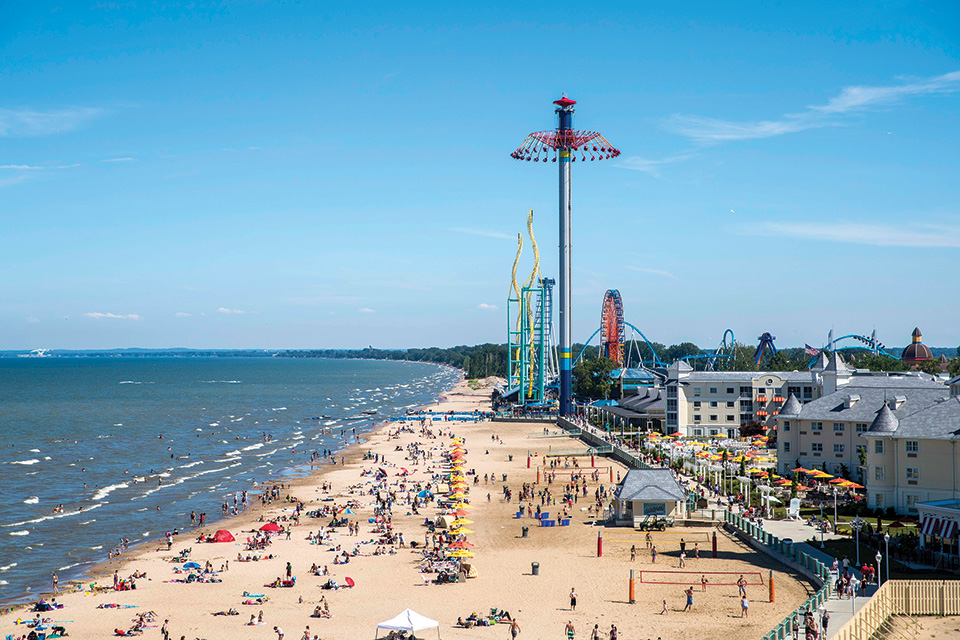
886 550
821 524
856 523
879 558
834 508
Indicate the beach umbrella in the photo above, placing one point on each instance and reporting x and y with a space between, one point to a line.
852 485
191 565
270 526
350 582
463 544
462 554
461 505
461 531
838 481
349 511
802 470
458 494
461 512
461 521
424 494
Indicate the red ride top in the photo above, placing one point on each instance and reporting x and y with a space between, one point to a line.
564 102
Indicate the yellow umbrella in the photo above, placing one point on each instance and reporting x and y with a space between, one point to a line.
461 505
461 531
457 495
462 553
461 521
459 484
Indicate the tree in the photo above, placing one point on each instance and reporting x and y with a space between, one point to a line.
752 428
591 378
794 483
877 362
930 366
741 358
953 366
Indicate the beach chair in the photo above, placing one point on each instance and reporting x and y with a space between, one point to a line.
793 511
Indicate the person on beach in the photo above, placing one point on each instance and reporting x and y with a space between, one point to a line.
649 539
689 593
633 552
703 583
683 559
744 606
663 611
653 554
514 629
595 634
573 600
742 587
569 629
824 621
279 633
56 581
613 632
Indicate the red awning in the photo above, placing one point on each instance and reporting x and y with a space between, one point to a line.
949 530
930 525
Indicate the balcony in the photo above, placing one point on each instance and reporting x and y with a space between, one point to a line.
761 398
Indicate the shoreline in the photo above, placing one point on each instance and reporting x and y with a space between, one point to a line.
291 476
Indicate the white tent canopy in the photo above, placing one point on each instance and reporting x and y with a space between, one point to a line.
409 620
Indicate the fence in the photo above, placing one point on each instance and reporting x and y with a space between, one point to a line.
792 556
898 598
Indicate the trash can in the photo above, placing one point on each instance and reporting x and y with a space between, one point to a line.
525 531
535 568
510 457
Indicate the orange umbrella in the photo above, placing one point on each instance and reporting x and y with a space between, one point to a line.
463 544
461 512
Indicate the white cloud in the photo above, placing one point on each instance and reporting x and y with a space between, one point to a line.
20 167
487 307
33 320
118 160
650 166
656 272
182 314
113 316
481 232
878 235
29 122
366 310
227 310
850 100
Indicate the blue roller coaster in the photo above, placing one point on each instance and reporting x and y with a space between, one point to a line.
863 343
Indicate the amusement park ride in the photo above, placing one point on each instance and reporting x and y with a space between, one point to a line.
565 143
531 353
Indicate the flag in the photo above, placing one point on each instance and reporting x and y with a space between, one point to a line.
810 351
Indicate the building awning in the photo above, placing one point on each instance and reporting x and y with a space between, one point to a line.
928 524
940 528
949 531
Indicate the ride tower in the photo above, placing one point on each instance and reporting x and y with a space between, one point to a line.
565 142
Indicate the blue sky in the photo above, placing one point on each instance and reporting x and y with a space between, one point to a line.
296 175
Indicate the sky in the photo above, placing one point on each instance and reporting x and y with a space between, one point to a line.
337 175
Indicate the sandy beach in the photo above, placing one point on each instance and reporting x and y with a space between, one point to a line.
387 584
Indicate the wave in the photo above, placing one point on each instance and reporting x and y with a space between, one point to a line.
34 450
236 452
20 533
4 582
104 492
192 464
32 500
259 445
31 461
220 381
53 517
268 453
279 409
9 566
89 521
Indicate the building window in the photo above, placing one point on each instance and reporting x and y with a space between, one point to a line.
731 417
696 391
729 404
746 391
672 419
786 425
713 391
713 417
838 427
761 391
713 404
878 447
912 500
697 417
746 418
816 426
838 449
816 447
672 404
878 500
861 448
862 426
878 473
698 432
730 391
913 473
913 446
713 432
786 447
696 404
671 392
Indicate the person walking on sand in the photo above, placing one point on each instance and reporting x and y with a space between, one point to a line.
279 633
573 599
514 629
56 581
689 593
683 559
595 634
663 611
742 587
633 552
649 539
744 606
613 632
569 629
703 583
653 554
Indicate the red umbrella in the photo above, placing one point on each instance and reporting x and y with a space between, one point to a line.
223 536
463 544
270 526
350 582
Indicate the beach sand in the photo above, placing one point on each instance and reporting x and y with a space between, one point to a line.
387 584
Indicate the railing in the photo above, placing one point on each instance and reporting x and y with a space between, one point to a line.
790 554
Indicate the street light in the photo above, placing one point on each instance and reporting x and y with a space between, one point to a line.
856 523
821 524
886 543
834 508
879 560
